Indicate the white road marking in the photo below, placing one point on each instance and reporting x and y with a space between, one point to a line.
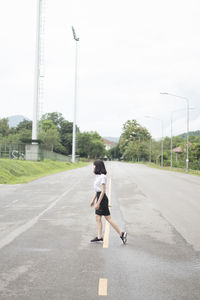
21 229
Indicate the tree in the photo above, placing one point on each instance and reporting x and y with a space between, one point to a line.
24 125
56 117
114 153
134 138
84 140
25 136
10 139
48 134
4 127
65 129
137 151
90 145
96 149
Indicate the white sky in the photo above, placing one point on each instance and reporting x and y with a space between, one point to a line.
129 52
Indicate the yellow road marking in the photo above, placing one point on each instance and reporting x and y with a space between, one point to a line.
107 226
103 282
103 287
109 190
106 235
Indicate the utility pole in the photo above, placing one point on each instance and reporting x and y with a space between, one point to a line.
39 67
32 151
187 107
75 98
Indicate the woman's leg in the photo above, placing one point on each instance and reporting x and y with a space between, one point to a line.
99 226
112 223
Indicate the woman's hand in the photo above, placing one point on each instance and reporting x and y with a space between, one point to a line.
97 206
92 203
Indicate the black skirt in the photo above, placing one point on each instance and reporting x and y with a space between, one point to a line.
103 208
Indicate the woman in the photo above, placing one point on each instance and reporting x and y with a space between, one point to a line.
101 206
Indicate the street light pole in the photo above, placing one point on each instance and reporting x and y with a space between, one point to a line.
39 66
37 74
187 149
162 145
187 159
75 98
171 146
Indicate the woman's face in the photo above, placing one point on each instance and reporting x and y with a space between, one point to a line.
94 167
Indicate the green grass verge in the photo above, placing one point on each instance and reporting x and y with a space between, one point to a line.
18 171
180 170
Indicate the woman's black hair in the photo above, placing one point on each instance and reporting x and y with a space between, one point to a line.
100 167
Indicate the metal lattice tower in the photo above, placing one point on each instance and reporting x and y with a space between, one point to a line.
39 67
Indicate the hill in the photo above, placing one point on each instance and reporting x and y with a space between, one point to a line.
16 119
195 133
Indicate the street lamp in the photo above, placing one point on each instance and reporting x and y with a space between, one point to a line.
171 144
172 112
75 98
187 103
162 137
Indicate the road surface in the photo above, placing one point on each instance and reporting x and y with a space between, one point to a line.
46 227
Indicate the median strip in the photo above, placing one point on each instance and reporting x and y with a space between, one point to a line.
103 287
107 226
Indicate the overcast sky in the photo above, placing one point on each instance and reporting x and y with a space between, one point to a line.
129 52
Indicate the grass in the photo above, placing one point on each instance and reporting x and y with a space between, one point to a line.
18 171
180 170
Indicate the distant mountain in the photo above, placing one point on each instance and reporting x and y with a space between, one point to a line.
195 133
15 120
112 139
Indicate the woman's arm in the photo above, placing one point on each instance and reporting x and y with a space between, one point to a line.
92 203
103 190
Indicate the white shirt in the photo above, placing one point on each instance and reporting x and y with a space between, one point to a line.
99 180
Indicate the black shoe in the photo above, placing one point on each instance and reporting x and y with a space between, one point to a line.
97 240
124 237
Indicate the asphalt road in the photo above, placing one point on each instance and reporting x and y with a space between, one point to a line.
46 227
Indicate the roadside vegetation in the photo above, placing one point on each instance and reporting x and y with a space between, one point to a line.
136 145
174 169
55 134
18 171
